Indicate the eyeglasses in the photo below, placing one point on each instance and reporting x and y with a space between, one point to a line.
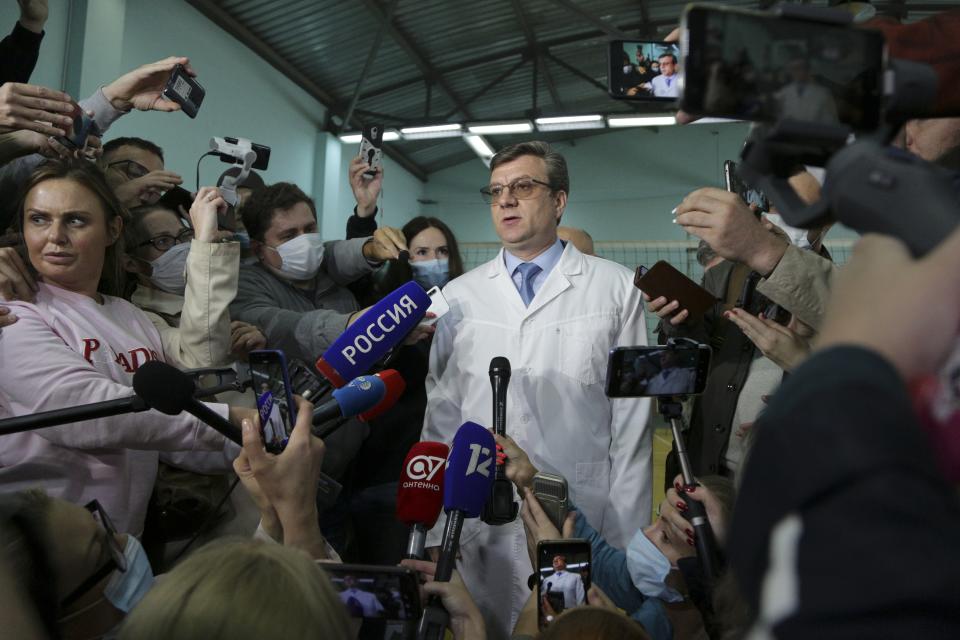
521 188
165 241
131 168
116 562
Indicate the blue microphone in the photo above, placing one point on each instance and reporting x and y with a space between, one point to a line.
467 481
382 327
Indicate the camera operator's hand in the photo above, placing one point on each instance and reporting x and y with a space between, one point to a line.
204 212
667 310
519 469
147 189
786 347
870 294
142 88
675 502
33 14
244 338
466 622
16 283
386 244
35 108
365 190
289 479
728 225
537 525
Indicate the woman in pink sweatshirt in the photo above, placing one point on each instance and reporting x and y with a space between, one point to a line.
78 344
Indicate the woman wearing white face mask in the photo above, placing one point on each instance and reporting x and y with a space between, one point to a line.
80 575
434 255
186 277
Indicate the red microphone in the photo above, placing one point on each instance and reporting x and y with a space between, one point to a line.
420 494
395 386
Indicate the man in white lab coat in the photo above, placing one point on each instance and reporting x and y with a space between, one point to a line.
554 313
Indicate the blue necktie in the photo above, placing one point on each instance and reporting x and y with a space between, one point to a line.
528 271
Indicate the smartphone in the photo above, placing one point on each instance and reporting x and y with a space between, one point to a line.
551 492
83 126
663 279
644 70
563 571
184 90
271 387
387 599
676 369
370 143
438 305
734 184
754 65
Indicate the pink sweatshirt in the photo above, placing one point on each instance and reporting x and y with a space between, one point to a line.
67 350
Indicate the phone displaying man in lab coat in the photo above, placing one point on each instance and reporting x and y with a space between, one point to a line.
554 313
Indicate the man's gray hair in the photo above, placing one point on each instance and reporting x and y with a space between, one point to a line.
705 254
557 174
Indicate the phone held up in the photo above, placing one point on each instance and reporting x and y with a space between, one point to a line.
550 490
678 368
271 387
83 126
371 141
387 599
563 574
183 89
644 70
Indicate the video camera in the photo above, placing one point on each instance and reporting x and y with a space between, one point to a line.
823 94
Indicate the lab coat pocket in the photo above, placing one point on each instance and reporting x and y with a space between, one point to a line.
581 357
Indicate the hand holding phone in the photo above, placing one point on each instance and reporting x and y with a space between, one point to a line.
665 280
563 571
370 149
372 592
271 388
678 369
183 89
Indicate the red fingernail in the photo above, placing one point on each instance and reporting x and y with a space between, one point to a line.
690 489
691 542
689 533
682 506
678 487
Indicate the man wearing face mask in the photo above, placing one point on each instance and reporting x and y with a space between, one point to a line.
296 292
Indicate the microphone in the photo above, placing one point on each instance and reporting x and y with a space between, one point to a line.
382 327
365 397
420 493
170 391
52 418
500 508
466 488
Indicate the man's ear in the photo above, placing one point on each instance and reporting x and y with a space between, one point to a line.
257 248
561 204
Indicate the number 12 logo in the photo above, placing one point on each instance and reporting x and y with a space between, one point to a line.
483 468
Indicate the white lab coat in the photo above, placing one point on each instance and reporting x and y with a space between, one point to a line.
557 410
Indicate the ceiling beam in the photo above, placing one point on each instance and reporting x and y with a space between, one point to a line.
500 78
227 22
498 56
385 21
418 58
589 17
531 38
577 72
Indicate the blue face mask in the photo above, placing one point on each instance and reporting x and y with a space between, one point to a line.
128 588
431 273
649 568
243 238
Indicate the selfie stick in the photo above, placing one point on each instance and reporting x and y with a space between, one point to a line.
707 551
241 151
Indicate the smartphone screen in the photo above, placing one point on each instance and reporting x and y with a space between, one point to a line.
563 569
386 598
271 386
735 184
370 143
756 66
644 70
657 371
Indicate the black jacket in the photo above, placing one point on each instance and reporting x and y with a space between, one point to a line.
840 458
18 54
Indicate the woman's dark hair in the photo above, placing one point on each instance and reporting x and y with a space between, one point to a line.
418 224
87 175
25 540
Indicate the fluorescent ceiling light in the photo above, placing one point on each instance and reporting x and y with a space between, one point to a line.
641 121
481 146
350 138
715 121
514 126
390 135
432 131
566 123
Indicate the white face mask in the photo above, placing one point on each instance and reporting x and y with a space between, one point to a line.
169 270
649 568
627 68
126 589
798 237
301 257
